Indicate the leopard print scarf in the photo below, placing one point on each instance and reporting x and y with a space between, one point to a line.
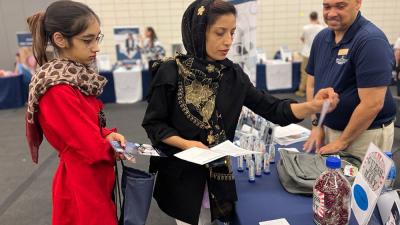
57 71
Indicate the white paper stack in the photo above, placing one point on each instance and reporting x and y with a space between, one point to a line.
275 222
290 134
202 156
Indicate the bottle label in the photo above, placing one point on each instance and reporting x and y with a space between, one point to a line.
318 203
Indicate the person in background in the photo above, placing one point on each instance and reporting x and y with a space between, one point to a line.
397 69
151 47
63 107
25 61
309 32
195 101
130 44
26 65
354 57
397 52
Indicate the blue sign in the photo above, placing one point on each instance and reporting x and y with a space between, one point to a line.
360 196
24 39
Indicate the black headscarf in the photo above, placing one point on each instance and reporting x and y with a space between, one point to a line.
194 25
198 85
197 90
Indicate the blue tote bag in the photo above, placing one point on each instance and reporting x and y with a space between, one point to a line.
137 191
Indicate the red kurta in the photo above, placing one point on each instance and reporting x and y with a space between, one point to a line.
84 180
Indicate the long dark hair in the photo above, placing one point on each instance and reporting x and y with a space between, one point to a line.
67 17
153 35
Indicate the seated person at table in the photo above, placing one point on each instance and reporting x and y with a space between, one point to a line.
195 101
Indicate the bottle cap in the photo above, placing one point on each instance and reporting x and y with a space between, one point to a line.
389 154
333 162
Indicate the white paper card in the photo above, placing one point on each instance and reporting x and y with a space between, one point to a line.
290 134
324 110
202 156
288 149
291 129
389 205
228 148
369 183
199 156
275 222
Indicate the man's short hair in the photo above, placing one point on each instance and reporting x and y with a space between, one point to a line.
314 15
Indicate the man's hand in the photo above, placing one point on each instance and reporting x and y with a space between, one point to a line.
333 147
316 139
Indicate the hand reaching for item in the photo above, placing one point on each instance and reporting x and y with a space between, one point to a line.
315 141
121 139
325 94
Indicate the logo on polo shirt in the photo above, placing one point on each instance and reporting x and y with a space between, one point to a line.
342 53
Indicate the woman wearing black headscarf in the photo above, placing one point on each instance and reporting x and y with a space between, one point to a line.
195 101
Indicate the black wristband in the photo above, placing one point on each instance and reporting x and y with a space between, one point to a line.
314 122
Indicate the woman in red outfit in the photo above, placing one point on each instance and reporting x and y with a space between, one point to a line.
62 105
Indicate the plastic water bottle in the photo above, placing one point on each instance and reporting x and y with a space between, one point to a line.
248 158
240 164
332 196
258 162
271 150
252 178
389 183
266 168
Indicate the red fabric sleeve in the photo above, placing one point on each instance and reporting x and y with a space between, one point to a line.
70 123
106 131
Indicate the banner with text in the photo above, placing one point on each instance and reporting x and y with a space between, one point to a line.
243 50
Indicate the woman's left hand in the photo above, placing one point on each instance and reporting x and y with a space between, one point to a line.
325 94
121 139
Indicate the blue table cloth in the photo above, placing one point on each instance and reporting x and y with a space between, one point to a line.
146 82
261 78
108 94
266 199
12 92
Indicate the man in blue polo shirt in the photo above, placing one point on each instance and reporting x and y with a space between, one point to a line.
354 57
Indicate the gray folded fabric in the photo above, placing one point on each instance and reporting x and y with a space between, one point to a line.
298 170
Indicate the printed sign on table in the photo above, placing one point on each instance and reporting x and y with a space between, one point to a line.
243 50
369 183
127 44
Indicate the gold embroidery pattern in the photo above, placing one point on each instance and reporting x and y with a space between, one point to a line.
158 62
210 68
200 94
223 176
201 10
186 111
